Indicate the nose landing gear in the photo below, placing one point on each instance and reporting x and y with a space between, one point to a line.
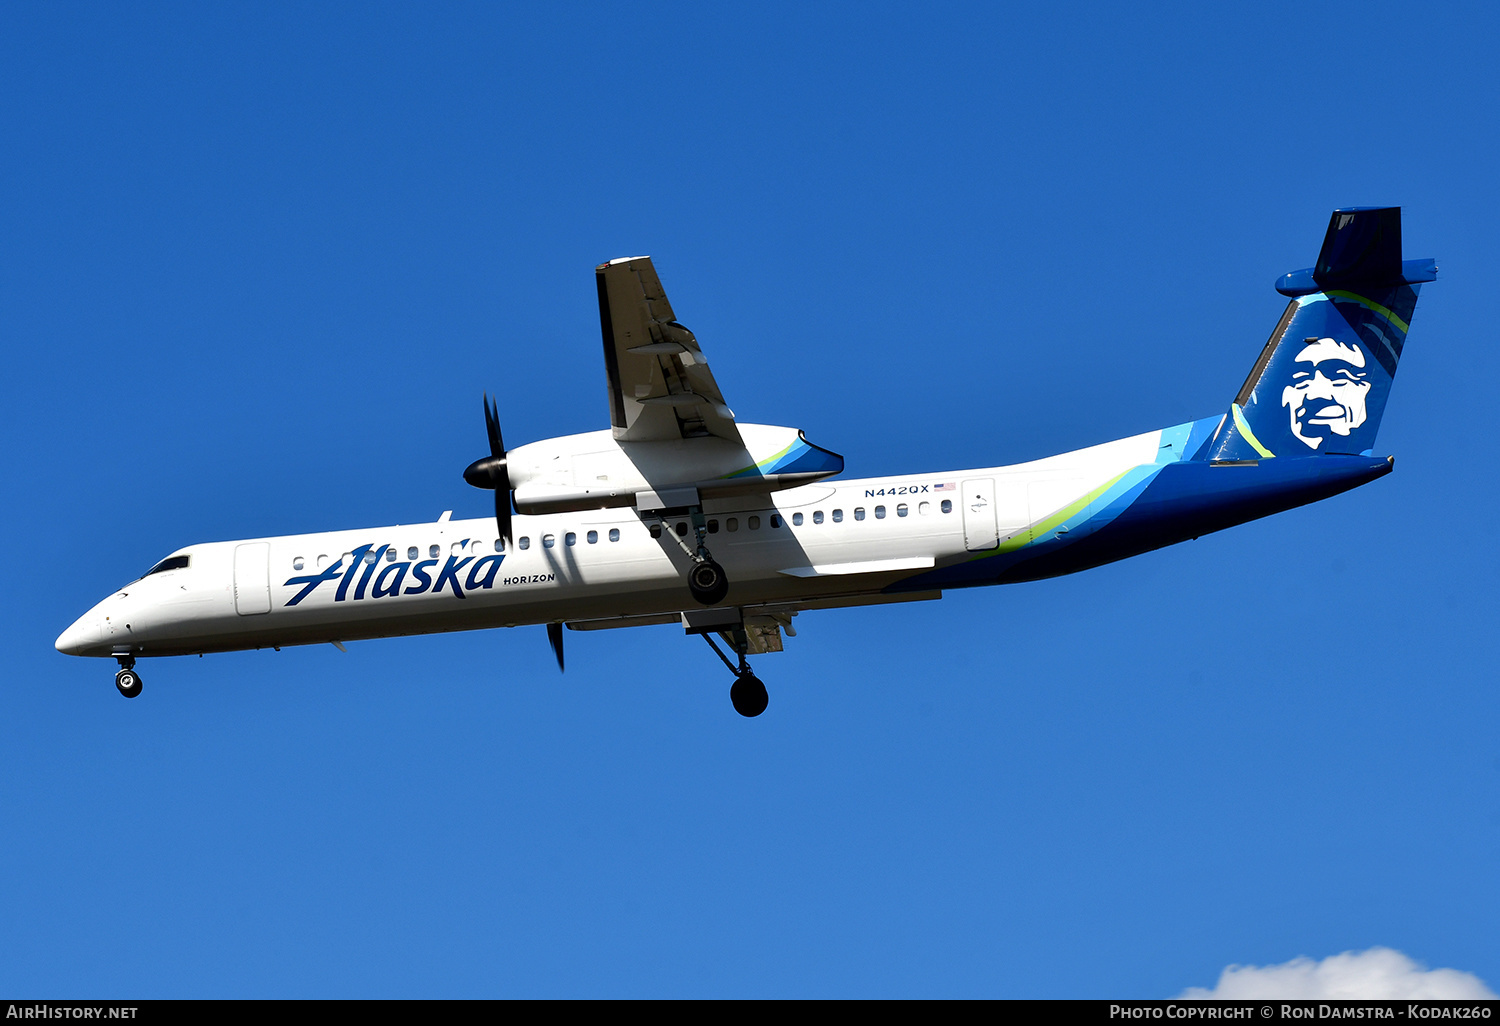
127 680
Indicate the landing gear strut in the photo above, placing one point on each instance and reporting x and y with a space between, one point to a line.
127 680
747 693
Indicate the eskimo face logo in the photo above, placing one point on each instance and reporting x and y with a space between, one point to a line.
1327 397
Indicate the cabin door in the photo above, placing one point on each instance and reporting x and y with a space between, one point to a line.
252 578
981 531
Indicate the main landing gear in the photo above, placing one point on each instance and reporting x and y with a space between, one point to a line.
747 693
706 579
127 680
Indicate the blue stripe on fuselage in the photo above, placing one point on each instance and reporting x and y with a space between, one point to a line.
1177 502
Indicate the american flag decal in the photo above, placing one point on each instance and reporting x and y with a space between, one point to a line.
949 487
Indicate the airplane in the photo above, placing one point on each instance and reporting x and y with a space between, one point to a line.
680 514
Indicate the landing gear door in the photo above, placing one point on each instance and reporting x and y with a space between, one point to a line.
252 578
980 528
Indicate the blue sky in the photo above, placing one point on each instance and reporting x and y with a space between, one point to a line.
258 264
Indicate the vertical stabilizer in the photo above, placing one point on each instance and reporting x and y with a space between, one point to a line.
1322 380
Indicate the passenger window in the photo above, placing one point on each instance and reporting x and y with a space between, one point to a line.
297 563
371 557
775 521
817 516
681 528
879 512
571 538
796 519
593 537
755 523
614 534
390 554
838 516
499 544
549 540
713 527
947 505
732 524
525 542
901 510
433 551
656 530
411 553
859 512
322 562
925 508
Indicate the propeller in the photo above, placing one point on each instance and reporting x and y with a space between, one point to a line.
554 637
493 471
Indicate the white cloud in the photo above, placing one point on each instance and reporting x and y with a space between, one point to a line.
1374 974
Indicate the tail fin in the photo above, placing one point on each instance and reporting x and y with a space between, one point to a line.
1322 380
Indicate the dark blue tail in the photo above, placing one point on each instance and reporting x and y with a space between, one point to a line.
1322 380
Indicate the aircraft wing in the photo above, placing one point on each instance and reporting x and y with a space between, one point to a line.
660 387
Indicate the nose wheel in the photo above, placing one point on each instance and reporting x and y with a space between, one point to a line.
127 680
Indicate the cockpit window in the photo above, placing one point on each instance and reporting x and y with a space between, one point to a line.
170 563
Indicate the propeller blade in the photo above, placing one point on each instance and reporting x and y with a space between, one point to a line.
502 513
494 470
554 635
492 427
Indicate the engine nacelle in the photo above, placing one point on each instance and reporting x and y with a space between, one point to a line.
594 471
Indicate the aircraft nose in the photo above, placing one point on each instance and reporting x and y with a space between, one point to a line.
83 634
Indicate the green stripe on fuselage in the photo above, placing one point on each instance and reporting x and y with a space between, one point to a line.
1045 526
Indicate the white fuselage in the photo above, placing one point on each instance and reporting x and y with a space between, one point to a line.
826 544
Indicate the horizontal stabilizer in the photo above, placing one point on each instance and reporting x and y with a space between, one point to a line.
1362 249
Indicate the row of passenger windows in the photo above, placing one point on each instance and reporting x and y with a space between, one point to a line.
570 538
731 524
414 552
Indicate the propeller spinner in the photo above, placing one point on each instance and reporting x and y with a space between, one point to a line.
492 471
